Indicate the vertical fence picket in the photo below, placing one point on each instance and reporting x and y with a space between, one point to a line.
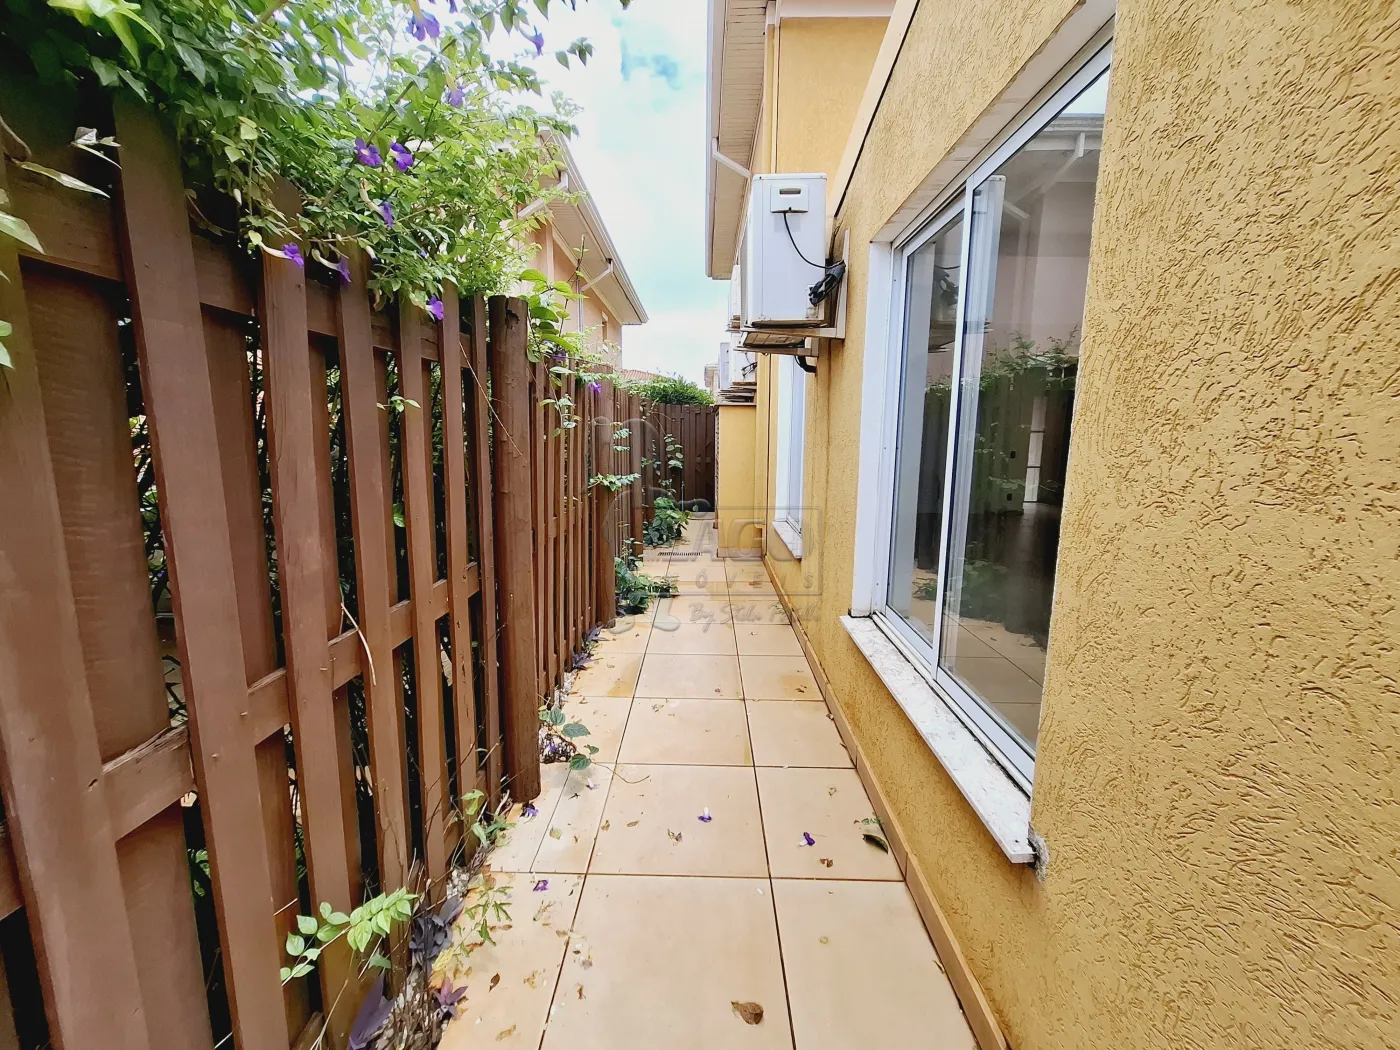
68 869
416 442
176 381
510 393
368 452
294 386
480 472
458 556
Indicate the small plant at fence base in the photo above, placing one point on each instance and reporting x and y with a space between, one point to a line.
557 739
426 997
636 589
667 523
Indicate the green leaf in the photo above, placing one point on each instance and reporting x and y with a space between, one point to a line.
295 945
301 969
338 918
19 230
575 729
307 925
379 962
580 762
326 910
534 276
286 974
311 954
62 178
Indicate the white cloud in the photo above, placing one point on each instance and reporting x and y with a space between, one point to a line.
641 148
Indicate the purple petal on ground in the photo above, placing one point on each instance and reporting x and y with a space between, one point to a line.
705 817
541 885
807 839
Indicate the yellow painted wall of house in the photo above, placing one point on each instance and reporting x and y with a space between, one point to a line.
1218 754
734 499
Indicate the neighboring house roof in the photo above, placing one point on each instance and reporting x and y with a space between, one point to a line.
577 222
734 84
636 375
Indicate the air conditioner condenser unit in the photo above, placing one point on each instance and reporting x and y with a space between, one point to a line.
784 251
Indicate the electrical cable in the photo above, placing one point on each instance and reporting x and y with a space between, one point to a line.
806 365
831 274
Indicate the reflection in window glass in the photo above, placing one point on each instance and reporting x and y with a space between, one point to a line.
931 309
1028 266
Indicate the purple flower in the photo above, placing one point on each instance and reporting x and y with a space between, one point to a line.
435 308
367 155
423 26
403 160
541 885
387 213
807 840
456 96
452 6
594 385
705 817
343 268
536 38
529 812
292 251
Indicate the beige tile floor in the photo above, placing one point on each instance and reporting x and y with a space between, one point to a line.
636 925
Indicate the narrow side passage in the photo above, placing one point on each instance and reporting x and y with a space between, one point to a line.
715 865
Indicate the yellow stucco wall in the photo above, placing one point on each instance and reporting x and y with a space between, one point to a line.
1219 750
734 499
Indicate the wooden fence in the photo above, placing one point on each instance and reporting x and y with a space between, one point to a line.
282 576
693 428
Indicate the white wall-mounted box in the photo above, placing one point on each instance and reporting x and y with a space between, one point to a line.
784 250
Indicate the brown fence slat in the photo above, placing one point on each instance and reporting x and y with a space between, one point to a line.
481 482
415 428
510 394
368 451
294 387
459 564
176 380
68 868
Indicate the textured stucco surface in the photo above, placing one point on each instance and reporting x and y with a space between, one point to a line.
1220 749
734 501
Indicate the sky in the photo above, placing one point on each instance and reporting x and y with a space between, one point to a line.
641 149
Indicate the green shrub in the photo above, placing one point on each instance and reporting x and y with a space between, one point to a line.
671 390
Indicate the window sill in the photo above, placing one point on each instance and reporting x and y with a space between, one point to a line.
792 539
996 799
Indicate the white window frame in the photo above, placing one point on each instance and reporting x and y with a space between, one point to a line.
791 453
880 430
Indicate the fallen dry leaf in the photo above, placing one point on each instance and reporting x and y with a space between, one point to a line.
606 824
827 861
555 833
875 840
633 823
505 1033
752 1013
534 979
494 981
675 835
580 992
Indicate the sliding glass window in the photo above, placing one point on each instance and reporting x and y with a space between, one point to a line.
993 302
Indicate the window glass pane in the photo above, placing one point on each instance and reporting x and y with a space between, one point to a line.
1028 265
930 319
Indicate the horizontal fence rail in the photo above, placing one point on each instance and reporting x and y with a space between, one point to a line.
284 573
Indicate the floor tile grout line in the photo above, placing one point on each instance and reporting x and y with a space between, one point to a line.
772 895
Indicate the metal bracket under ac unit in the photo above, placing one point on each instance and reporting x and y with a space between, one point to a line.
805 340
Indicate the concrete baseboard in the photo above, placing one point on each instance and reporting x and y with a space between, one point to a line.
974 1003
